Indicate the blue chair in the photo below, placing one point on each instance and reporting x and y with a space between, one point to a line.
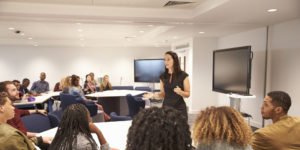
57 114
135 104
143 88
115 117
68 99
122 87
39 123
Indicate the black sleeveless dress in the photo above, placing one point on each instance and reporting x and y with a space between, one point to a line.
171 98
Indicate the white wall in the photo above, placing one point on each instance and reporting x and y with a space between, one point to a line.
257 39
20 62
202 93
284 61
199 68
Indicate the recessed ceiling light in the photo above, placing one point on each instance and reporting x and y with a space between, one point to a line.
30 38
79 30
11 28
142 31
150 25
201 32
175 37
22 34
272 10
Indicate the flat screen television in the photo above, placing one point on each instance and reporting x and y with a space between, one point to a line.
232 70
148 70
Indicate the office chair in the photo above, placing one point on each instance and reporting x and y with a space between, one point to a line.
39 123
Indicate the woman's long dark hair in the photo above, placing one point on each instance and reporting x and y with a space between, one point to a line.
176 65
159 129
74 121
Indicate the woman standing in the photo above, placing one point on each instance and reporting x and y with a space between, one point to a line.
174 84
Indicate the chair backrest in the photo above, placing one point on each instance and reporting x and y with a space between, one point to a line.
122 87
115 117
57 113
143 88
39 123
68 99
134 105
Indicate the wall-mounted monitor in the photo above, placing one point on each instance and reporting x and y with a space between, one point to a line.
232 70
148 70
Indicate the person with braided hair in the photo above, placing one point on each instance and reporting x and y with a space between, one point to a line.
159 129
74 131
221 128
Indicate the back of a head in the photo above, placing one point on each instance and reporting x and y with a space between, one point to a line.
159 129
73 122
281 99
221 125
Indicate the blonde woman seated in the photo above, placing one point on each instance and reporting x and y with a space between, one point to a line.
105 85
221 128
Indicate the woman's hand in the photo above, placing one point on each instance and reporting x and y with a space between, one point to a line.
178 90
148 95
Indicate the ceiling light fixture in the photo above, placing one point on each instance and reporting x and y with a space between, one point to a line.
79 30
150 25
35 45
201 32
78 23
11 28
142 31
272 10
22 34
175 37
30 38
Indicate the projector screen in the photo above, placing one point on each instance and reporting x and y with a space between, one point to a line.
232 70
148 70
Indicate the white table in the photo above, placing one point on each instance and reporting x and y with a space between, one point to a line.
38 99
115 93
115 133
110 100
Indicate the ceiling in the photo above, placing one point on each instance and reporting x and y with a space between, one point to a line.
95 23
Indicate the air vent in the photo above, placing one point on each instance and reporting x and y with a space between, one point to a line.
176 3
182 46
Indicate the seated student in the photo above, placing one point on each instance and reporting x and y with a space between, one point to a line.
159 129
89 86
40 86
221 128
284 133
74 131
11 138
24 87
13 94
105 85
75 89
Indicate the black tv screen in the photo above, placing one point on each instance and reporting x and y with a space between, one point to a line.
148 70
232 70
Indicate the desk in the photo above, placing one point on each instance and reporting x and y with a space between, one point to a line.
110 100
38 100
115 133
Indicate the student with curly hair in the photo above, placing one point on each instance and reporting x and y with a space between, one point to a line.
159 129
74 131
221 128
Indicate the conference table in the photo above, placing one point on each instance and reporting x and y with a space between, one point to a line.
111 100
43 98
115 133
